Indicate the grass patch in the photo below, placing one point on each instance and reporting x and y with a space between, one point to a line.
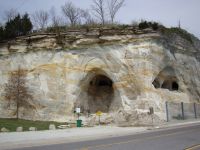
12 124
181 32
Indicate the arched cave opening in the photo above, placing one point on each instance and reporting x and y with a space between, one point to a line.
175 86
100 93
170 85
166 79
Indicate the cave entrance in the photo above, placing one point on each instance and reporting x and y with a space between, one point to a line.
170 85
166 85
100 93
166 79
174 86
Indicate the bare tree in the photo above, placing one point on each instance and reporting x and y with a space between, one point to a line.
87 18
16 90
10 14
72 13
113 7
99 10
56 20
40 19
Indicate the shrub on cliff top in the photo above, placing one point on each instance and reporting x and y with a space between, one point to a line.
1 33
175 30
144 24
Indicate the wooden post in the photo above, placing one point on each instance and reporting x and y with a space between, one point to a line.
195 111
99 120
182 110
167 113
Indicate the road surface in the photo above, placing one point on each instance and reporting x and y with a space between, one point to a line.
179 138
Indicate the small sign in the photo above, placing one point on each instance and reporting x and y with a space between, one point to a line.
98 113
78 110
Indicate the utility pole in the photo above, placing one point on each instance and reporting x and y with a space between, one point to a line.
179 24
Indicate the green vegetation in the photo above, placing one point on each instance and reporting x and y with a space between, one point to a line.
77 19
86 27
16 27
12 124
144 24
181 32
22 25
1 33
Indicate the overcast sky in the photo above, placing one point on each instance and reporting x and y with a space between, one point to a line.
167 12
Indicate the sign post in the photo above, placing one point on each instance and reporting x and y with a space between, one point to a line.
78 122
78 111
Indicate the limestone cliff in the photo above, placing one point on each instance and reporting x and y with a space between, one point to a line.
119 72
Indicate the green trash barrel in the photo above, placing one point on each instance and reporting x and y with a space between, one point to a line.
78 123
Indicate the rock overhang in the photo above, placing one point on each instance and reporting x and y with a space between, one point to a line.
59 76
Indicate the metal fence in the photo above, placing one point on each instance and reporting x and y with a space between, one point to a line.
182 111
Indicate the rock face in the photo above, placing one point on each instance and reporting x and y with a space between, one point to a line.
19 129
4 129
120 75
52 127
32 129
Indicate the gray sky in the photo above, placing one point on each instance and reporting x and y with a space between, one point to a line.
167 12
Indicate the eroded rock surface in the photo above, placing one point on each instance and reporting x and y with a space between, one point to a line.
120 75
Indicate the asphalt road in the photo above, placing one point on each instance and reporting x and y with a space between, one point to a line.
178 138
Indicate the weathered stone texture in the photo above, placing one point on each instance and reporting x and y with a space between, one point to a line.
65 79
